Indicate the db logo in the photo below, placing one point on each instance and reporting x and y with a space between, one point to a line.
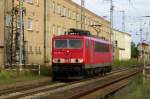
68 60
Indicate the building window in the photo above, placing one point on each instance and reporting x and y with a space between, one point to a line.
39 50
37 2
30 1
30 24
8 20
69 13
78 17
30 49
92 22
36 49
59 30
53 6
73 15
59 9
56 8
85 20
53 29
37 26
64 11
88 21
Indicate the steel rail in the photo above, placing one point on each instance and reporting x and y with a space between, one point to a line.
81 88
51 87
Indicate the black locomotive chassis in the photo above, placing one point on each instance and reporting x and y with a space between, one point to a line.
76 71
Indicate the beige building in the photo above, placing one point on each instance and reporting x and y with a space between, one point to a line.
33 29
45 18
144 51
122 44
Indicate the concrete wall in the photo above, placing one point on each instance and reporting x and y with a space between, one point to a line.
123 49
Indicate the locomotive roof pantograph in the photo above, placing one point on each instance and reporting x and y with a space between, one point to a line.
73 31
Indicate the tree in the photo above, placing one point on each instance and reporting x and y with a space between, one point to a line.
134 50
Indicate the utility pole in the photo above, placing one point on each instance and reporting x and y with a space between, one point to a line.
145 68
141 30
111 19
21 33
111 27
123 21
82 14
45 28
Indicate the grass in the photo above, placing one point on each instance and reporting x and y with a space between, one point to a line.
10 76
13 76
137 89
126 63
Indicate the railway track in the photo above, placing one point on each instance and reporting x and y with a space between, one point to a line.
77 89
10 88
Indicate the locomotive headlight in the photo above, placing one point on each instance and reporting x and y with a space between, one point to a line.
76 60
80 60
58 60
54 60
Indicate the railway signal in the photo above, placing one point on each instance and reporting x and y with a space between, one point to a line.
116 43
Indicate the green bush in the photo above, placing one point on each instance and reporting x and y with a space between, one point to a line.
11 76
46 71
127 63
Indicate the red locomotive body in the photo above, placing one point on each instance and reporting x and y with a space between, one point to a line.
75 56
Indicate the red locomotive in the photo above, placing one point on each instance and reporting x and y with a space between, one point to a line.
77 54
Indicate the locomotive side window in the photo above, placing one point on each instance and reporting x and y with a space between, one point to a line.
87 43
60 43
100 47
75 43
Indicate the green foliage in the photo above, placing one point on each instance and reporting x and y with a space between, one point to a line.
134 51
11 76
46 71
136 89
126 63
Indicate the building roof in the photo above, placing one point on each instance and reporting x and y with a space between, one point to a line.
122 32
145 44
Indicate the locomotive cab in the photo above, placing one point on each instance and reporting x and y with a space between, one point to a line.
67 60
68 51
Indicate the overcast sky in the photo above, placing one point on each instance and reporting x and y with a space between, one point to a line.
134 12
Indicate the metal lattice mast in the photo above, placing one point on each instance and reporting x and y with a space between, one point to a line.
111 27
15 48
123 21
11 30
20 55
111 19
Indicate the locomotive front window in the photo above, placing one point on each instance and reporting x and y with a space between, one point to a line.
60 43
68 43
75 43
